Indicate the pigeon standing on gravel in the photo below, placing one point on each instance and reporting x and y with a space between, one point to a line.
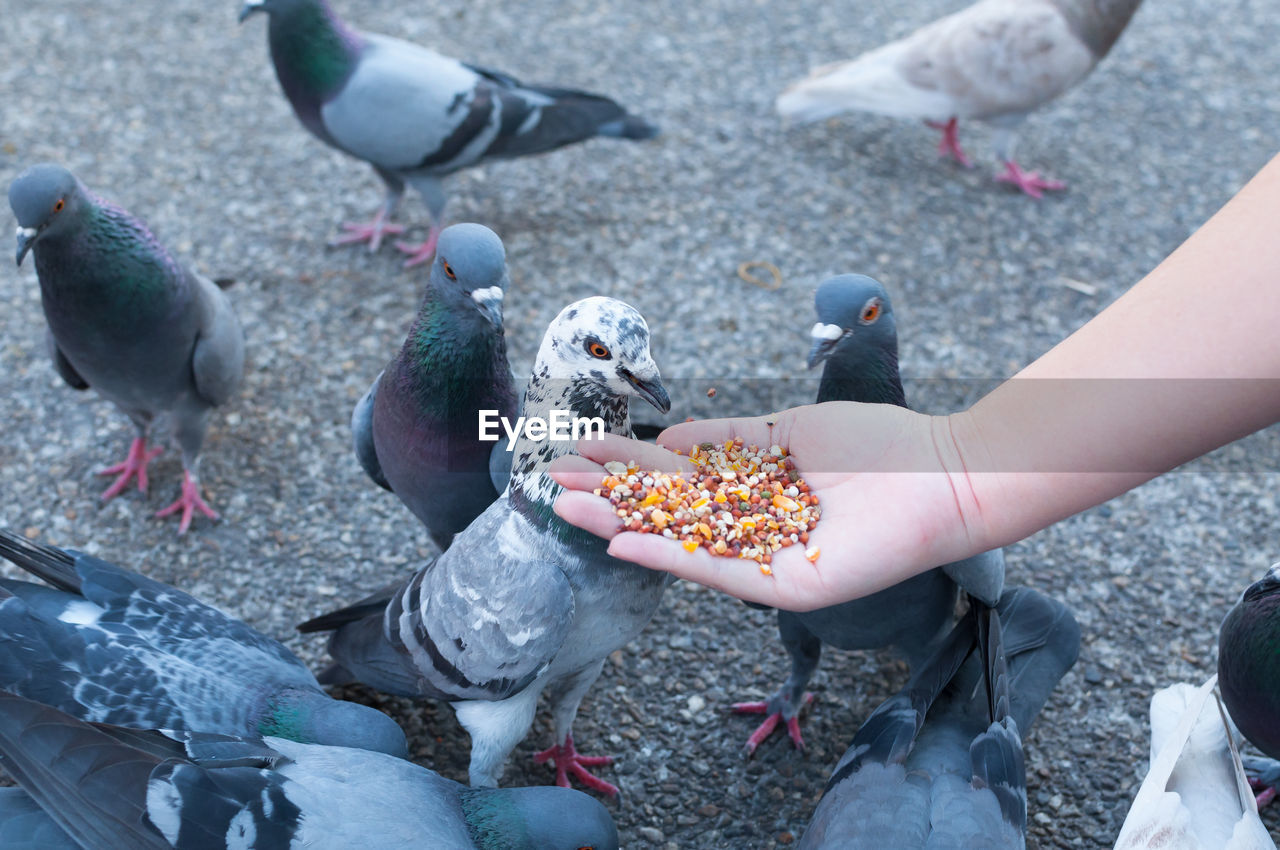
522 601
112 646
1249 669
415 115
995 61
940 764
857 340
126 319
1195 795
103 786
416 429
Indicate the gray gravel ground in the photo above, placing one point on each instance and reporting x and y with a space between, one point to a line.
172 110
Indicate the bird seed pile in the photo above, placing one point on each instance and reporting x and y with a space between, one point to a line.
741 502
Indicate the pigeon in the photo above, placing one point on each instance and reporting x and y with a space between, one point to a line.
1195 796
416 115
856 338
940 764
103 786
995 61
128 320
415 430
522 601
1248 669
109 645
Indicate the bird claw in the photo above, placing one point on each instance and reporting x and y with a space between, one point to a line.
422 252
949 144
189 502
134 464
1029 182
370 231
567 760
766 727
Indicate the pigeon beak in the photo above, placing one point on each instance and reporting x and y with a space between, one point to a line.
651 390
820 351
489 303
824 338
249 7
26 237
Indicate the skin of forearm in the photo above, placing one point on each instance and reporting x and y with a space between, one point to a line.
1184 362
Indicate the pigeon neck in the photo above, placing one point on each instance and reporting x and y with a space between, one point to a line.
446 371
111 268
1098 23
493 820
531 490
314 53
868 380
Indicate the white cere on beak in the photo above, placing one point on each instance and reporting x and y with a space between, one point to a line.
487 295
827 332
27 232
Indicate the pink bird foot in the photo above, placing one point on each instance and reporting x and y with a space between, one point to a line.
134 464
1028 181
949 144
370 231
567 760
423 252
1266 793
188 503
765 729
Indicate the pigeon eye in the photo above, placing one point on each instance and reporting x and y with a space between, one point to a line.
871 312
448 270
596 349
57 207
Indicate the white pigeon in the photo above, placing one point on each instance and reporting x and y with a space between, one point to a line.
1195 796
995 61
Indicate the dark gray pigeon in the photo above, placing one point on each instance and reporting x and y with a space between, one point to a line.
522 601
416 428
857 339
996 61
128 320
415 115
112 646
103 786
940 764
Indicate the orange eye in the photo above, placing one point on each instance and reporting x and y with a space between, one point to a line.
448 270
596 349
59 205
871 312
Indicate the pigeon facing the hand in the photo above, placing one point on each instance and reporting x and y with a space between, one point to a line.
416 429
940 764
522 601
1249 667
857 340
415 115
1195 796
128 320
103 786
112 646
995 61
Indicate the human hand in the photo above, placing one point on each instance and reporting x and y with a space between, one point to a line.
889 507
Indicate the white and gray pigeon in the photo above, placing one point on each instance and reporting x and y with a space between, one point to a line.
98 786
522 601
940 764
416 115
128 320
1195 795
109 645
856 338
996 61
416 429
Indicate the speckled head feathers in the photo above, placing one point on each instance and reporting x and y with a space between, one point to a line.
853 311
605 342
